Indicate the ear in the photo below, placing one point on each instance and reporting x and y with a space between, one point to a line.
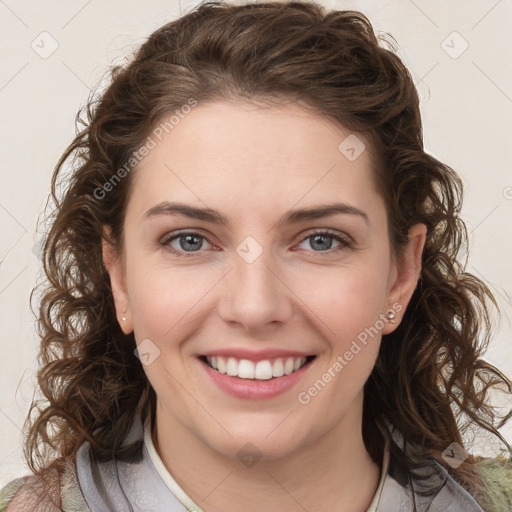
115 267
405 275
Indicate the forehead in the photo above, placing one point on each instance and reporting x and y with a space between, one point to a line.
257 157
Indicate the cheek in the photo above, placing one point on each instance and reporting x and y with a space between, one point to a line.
163 299
165 304
345 301
348 315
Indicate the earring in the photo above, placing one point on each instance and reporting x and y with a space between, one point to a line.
391 316
123 318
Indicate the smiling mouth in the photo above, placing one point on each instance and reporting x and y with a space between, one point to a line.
262 370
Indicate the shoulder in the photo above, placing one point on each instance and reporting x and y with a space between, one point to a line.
54 491
7 493
430 487
496 479
495 494
24 494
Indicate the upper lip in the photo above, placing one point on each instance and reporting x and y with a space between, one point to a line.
255 355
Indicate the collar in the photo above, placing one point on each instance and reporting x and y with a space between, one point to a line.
145 485
166 477
174 487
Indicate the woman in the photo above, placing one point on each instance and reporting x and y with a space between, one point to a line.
254 298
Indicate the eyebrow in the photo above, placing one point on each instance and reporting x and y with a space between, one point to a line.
291 217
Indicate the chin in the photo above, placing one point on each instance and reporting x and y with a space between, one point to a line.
249 450
254 442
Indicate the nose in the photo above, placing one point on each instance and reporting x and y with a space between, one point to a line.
255 296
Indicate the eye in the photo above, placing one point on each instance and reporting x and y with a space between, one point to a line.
184 242
322 240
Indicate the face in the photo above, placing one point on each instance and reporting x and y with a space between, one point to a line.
258 313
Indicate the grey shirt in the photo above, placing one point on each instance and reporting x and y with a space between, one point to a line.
147 486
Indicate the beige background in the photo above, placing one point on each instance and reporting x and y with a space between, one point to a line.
466 101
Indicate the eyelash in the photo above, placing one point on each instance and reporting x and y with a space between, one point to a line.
344 242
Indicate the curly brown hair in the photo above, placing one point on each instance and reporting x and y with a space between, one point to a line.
429 377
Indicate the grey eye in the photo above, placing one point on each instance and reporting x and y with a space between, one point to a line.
190 242
322 242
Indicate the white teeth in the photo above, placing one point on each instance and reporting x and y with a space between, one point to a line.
262 370
246 369
221 363
278 368
232 367
297 364
288 366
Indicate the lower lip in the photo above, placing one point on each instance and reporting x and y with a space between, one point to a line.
252 389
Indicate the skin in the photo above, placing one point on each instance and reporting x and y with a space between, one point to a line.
253 165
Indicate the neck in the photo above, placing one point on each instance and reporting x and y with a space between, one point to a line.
335 472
